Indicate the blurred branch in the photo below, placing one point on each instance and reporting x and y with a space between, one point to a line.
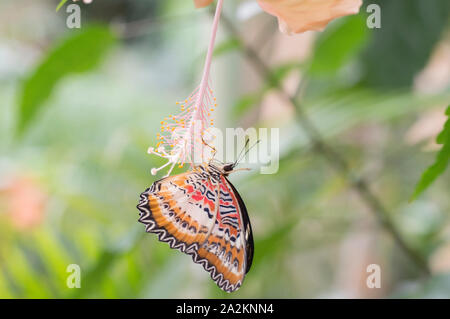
265 35
333 158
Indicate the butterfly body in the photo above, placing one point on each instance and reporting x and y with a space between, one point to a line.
201 214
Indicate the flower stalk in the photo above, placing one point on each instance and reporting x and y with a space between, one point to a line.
183 136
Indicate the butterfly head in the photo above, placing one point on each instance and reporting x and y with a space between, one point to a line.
220 168
228 168
223 169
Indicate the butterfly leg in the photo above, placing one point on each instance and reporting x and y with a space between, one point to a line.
214 151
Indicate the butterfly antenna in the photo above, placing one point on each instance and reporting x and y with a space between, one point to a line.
247 149
247 140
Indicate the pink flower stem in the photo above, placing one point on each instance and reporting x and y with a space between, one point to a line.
207 68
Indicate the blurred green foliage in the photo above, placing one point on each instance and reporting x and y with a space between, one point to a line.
89 106
442 159
338 44
77 54
61 4
410 28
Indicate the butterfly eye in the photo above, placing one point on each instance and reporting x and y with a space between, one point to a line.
228 167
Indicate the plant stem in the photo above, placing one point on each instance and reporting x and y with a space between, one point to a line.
207 68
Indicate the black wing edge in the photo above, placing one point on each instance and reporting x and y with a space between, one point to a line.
247 226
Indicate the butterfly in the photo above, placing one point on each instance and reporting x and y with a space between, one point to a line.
200 213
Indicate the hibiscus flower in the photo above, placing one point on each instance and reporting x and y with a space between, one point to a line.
296 16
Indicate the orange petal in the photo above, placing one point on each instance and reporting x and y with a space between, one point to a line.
296 16
202 3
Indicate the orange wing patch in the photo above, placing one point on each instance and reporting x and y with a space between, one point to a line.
198 214
168 210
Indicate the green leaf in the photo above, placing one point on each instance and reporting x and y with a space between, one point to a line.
338 44
79 53
441 162
402 46
60 5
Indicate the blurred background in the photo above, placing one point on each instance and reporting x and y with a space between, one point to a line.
80 107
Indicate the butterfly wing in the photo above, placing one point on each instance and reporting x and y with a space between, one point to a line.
229 247
205 217
180 209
